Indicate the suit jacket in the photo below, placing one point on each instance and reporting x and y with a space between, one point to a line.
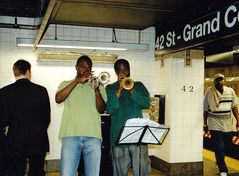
25 109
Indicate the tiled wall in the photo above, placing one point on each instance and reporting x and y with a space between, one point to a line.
184 111
50 74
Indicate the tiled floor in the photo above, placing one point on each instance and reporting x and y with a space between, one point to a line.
209 166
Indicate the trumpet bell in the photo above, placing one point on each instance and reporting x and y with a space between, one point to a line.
127 83
104 77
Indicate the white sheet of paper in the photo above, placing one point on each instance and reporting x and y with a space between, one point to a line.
134 127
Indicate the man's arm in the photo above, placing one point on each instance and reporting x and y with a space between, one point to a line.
141 96
47 108
205 111
112 104
65 92
205 115
235 113
205 126
234 108
5 112
100 103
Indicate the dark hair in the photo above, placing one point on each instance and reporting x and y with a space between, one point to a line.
20 67
123 62
84 58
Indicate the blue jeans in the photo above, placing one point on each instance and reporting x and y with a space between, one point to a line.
222 141
71 150
125 157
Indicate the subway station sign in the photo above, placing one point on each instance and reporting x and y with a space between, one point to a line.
218 25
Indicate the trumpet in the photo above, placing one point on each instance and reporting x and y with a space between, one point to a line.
102 79
127 83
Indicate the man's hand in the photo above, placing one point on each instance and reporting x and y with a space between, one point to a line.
83 77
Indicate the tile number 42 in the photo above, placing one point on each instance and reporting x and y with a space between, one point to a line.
189 88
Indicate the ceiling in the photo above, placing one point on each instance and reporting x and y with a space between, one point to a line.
127 14
124 14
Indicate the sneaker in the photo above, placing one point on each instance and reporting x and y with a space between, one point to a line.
223 174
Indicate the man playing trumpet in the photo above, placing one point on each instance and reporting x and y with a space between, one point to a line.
80 130
126 99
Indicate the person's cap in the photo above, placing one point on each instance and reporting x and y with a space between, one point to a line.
219 75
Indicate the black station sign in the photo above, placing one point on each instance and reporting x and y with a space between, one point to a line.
218 25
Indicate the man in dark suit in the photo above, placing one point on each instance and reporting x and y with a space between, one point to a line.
25 111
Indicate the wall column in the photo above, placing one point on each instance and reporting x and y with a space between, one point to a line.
181 79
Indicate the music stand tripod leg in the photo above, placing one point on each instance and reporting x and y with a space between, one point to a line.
139 144
139 160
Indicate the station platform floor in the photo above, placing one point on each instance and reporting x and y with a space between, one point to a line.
210 168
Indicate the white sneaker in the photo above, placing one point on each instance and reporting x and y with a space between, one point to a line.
223 174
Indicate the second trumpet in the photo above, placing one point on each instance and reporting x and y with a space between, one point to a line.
127 83
103 78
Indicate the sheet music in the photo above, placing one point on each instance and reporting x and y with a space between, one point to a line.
134 128
159 133
131 135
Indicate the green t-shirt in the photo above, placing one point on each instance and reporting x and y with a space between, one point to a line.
80 116
125 107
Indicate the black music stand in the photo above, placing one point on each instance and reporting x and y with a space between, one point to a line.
142 131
